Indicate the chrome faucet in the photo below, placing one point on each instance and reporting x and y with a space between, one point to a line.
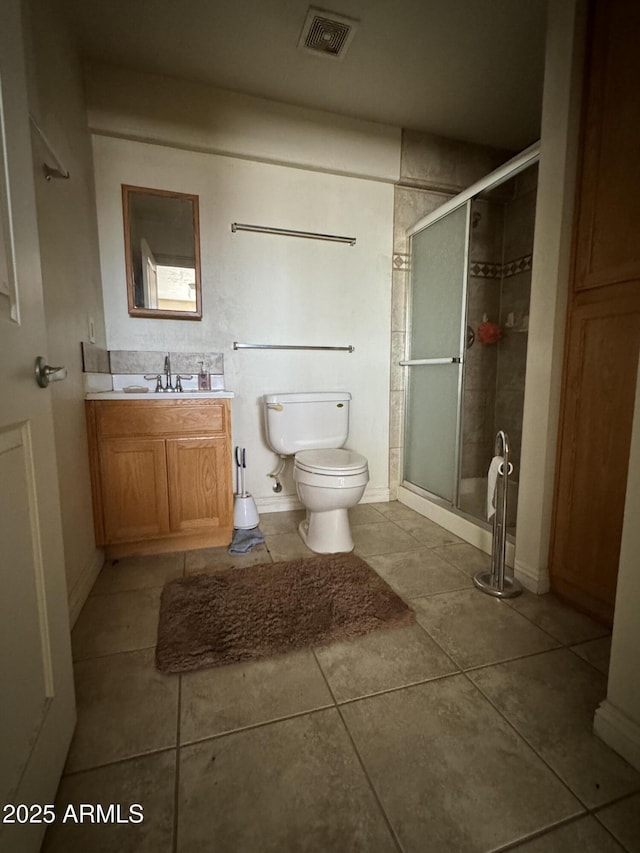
158 380
167 374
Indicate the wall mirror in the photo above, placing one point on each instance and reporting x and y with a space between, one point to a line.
162 253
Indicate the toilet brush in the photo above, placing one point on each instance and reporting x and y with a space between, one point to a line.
245 512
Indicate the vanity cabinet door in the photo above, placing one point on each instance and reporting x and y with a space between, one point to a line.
200 493
134 489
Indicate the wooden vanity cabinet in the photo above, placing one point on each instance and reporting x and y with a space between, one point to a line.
160 474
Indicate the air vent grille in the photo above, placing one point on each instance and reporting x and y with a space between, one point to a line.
326 33
327 36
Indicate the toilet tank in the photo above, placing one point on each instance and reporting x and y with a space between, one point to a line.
306 421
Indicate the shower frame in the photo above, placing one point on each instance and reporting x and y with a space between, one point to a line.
504 173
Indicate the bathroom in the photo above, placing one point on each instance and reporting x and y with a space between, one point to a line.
368 181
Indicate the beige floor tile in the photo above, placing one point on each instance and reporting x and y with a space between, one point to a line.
465 557
382 660
231 697
365 514
394 510
139 572
551 699
414 573
147 781
596 652
287 546
125 708
215 559
281 522
450 772
295 785
117 622
556 618
476 629
383 537
584 835
623 820
427 532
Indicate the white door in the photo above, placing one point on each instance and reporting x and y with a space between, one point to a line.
37 712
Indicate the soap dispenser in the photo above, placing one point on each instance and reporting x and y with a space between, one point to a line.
203 379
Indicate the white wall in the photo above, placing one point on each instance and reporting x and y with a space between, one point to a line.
268 289
549 286
197 116
70 272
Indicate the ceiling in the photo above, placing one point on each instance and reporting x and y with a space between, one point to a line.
466 69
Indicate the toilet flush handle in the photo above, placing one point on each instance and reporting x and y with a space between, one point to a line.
277 406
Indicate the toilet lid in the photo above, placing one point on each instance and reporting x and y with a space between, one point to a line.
332 461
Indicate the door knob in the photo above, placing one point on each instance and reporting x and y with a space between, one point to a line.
46 374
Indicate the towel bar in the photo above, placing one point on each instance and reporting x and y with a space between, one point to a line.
287 232
237 345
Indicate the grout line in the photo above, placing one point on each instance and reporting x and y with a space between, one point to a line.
129 591
538 833
586 660
361 762
616 800
595 814
354 699
540 628
124 760
526 741
524 656
113 654
259 725
439 645
590 812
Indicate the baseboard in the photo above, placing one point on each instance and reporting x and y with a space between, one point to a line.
278 503
376 496
619 732
534 581
83 586
286 503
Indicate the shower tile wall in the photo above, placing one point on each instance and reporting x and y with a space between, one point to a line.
519 217
485 259
432 170
500 256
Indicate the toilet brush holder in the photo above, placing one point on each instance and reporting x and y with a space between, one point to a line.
245 512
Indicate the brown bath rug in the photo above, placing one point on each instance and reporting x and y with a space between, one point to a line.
258 611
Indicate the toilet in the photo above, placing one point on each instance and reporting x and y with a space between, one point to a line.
329 479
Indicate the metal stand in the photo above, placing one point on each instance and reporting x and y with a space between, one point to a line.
495 582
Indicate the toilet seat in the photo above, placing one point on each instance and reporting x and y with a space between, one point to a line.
335 462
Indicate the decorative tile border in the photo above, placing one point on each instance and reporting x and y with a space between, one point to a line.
523 264
401 261
485 269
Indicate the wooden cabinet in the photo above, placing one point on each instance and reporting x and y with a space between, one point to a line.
603 331
160 473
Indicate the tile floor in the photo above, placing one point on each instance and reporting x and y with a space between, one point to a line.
468 731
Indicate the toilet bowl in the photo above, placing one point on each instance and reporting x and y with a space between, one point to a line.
329 480
328 484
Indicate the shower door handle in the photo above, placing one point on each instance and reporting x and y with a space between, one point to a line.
416 361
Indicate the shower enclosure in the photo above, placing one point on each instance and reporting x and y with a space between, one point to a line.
467 338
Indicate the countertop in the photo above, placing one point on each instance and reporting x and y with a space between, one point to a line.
152 395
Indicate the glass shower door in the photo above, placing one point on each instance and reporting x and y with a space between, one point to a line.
436 348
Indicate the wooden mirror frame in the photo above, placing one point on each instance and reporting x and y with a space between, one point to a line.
160 313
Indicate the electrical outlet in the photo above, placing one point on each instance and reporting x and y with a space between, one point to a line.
92 330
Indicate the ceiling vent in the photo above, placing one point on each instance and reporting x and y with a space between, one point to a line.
327 33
